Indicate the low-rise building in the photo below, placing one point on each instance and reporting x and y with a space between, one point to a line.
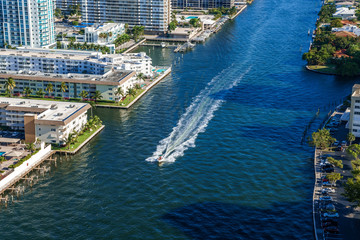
49 121
104 34
354 123
107 84
345 13
348 28
72 61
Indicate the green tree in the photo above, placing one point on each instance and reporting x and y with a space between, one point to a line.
172 25
195 22
352 191
10 85
337 163
27 91
49 89
119 92
137 32
75 23
63 88
322 139
350 137
334 177
40 93
336 23
97 95
31 147
83 94
348 68
131 92
354 150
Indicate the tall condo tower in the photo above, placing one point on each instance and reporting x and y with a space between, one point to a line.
27 23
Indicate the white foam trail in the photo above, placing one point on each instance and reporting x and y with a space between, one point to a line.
196 117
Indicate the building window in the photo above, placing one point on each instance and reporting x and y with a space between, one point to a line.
39 129
357 101
53 129
354 130
357 113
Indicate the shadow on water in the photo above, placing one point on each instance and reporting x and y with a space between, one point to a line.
217 220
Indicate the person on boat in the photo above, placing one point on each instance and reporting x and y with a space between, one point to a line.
160 158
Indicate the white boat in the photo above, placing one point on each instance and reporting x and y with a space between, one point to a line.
163 44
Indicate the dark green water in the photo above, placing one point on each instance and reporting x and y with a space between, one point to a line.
232 112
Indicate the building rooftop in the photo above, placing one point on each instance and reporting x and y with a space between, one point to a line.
111 77
47 110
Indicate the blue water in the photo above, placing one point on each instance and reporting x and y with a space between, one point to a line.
2 153
191 17
230 117
160 70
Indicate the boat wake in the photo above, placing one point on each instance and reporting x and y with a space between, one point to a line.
196 117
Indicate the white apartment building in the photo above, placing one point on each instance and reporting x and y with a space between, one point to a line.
49 121
154 15
92 34
27 23
345 13
354 122
72 61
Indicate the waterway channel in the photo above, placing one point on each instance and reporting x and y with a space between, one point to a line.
233 112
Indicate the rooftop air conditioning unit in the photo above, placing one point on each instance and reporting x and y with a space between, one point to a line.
53 106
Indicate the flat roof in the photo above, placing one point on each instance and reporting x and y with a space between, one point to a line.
112 77
9 140
54 111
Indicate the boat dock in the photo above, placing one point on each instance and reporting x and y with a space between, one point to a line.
21 173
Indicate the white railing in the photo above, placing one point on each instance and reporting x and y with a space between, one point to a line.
23 168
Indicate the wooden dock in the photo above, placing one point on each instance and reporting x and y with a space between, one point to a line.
21 172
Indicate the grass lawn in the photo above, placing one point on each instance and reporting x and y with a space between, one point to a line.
80 140
323 68
130 98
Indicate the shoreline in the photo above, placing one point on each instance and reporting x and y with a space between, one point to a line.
161 77
319 72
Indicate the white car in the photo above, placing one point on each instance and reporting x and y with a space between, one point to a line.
328 190
331 215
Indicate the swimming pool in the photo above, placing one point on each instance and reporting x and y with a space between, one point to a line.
160 70
191 17
2 153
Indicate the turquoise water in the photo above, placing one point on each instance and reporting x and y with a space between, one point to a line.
191 17
2 153
230 117
160 70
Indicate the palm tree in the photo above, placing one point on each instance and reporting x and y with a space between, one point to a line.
40 93
137 86
49 88
63 88
27 91
119 92
140 77
131 92
83 94
10 85
97 95
31 147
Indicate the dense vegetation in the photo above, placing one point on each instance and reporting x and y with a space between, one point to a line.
326 44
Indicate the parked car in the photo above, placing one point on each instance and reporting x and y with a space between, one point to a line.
329 170
336 143
330 207
325 198
329 223
328 184
331 229
331 215
328 190
343 143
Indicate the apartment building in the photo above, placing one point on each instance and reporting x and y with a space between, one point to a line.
354 123
107 84
68 61
113 30
27 23
49 121
154 15
201 4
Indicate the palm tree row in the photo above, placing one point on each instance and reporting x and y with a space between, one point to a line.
73 137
